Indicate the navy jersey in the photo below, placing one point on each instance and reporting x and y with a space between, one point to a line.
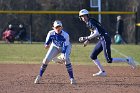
92 24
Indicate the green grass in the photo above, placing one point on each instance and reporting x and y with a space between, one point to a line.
34 53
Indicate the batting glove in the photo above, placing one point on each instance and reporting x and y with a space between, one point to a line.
82 39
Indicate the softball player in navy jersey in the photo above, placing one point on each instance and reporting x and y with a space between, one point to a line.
104 43
58 42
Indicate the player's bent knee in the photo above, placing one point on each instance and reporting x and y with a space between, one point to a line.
109 61
67 61
93 57
45 61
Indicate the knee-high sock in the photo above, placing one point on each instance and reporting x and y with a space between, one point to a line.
42 69
97 62
70 70
119 60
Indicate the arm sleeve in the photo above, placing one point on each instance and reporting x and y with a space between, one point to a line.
93 34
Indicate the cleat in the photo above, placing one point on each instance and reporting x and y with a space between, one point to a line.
72 81
100 73
131 62
38 78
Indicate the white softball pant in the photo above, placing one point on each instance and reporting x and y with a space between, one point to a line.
53 51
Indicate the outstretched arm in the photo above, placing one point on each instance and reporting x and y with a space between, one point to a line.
93 34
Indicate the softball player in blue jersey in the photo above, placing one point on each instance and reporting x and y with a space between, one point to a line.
58 42
104 43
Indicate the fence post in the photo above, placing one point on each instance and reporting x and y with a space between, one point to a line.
136 29
30 28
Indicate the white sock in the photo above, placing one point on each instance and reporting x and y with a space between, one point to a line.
117 60
97 62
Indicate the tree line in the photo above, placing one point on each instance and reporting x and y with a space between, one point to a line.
38 25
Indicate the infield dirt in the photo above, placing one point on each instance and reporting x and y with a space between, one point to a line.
20 79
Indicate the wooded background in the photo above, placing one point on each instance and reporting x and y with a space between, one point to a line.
42 23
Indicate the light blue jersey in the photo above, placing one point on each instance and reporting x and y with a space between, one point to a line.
60 40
